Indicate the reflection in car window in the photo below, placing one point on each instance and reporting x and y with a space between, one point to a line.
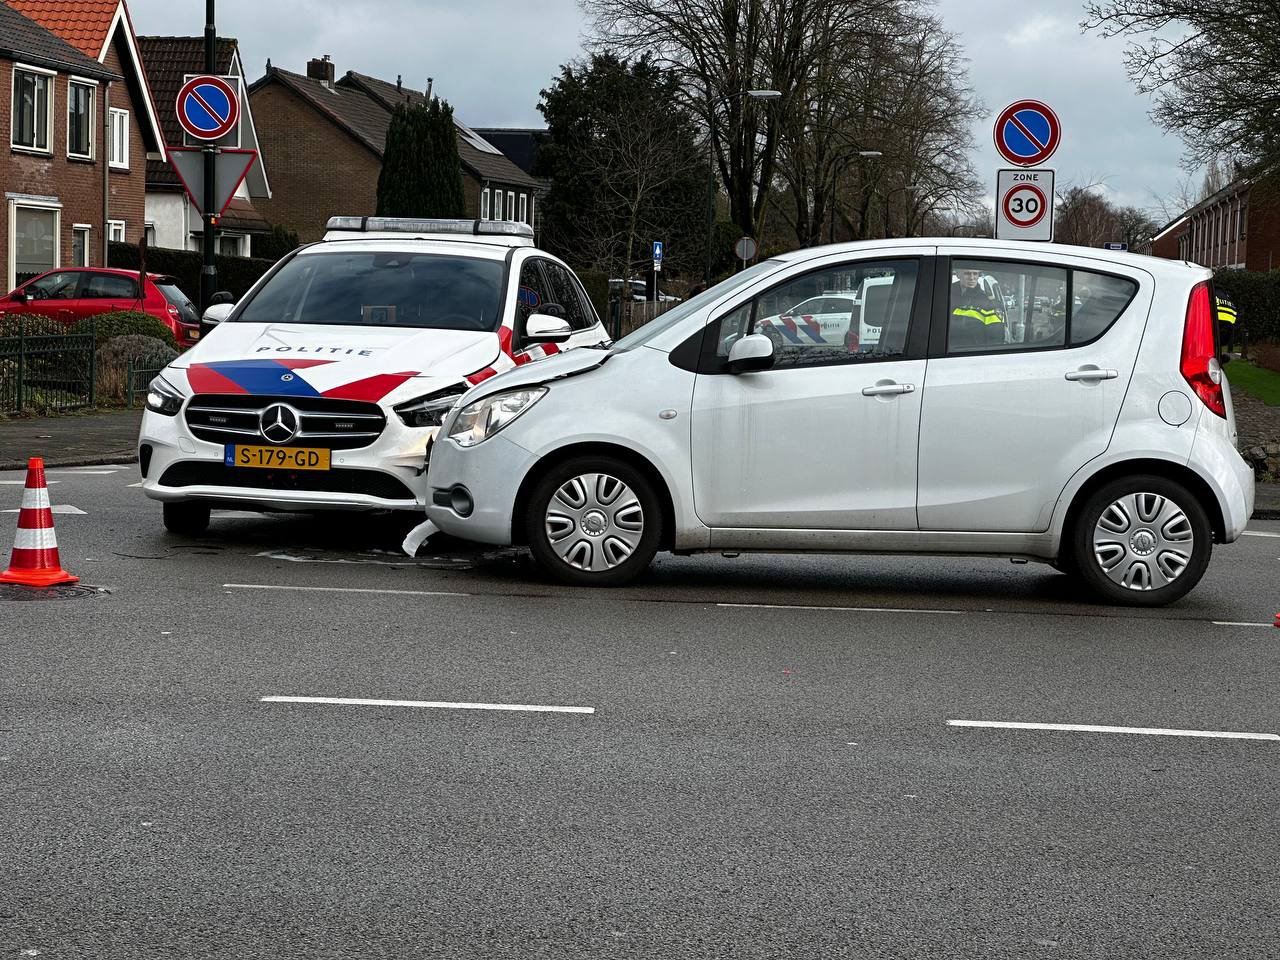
400 289
56 286
563 289
850 313
531 294
1097 301
109 286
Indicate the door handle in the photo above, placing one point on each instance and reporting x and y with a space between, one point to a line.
1089 374
886 389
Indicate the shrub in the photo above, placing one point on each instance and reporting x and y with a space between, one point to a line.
119 353
597 286
108 326
235 274
1256 295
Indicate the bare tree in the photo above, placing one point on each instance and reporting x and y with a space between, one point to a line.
1214 69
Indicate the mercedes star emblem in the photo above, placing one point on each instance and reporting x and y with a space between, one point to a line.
279 423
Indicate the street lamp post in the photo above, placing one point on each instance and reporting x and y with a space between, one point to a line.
712 182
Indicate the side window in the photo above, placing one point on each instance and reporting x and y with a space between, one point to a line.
998 306
563 289
851 313
56 286
531 294
1097 302
108 286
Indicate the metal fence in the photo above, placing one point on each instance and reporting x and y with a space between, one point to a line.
628 315
45 368
136 382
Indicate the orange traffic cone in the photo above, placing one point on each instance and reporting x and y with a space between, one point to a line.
35 560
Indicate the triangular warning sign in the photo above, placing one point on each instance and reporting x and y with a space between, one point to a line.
230 169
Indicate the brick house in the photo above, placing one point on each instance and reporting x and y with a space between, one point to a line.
1237 227
170 215
84 177
325 137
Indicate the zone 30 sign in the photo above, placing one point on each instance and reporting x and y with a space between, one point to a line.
1024 205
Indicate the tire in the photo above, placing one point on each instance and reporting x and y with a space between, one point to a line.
187 518
1141 541
594 522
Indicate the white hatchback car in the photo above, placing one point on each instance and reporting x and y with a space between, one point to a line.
1100 438
322 388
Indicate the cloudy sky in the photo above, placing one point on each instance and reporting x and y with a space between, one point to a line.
491 57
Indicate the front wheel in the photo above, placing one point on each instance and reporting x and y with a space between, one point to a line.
594 522
1142 541
187 518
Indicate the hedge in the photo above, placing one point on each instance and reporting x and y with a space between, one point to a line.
235 274
1256 295
125 323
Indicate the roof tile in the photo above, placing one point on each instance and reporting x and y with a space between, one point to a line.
82 23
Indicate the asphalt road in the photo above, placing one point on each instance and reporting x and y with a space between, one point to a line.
769 770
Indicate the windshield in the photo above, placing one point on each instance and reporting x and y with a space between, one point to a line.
382 290
691 306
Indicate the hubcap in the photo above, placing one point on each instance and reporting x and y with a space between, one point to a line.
1143 541
594 522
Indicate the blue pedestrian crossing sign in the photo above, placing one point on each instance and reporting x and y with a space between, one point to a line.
657 254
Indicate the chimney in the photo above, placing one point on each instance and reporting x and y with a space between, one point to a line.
399 83
429 84
321 69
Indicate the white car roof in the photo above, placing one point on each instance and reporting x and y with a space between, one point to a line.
477 248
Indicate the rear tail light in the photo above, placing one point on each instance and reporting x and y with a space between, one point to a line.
1199 351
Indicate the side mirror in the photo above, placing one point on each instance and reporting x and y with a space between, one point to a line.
221 297
217 312
542 328
20 296
751 353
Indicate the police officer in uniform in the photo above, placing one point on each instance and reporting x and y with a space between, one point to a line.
977 320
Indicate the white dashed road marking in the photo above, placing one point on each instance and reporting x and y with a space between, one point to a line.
1261 533
1096 728
23 483
397 593
1239 623
434 704
798 606
63 508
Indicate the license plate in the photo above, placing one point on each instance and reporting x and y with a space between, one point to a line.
280 458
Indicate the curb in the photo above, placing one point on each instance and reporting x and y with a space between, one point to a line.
1265 515
74 462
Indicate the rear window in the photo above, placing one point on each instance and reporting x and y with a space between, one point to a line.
170 291
400 289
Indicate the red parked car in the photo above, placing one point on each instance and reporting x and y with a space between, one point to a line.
74 293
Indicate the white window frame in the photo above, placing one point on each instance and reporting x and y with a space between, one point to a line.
87 230
14 205
52 77
111 231
532 198
524 208
92 86
116 162
511 205
241 240
496 210
484 204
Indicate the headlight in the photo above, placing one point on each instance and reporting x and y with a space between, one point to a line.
163 397
429 411
481 420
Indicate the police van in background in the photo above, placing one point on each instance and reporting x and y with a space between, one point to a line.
324 386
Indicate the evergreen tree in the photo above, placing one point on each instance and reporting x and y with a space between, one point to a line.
421 175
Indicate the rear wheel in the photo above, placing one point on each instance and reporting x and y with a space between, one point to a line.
188 518
1142 541
594 521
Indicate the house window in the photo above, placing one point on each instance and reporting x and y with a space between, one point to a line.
80 120
497 204
80 245
524 208
149 234
32 109
119 138
115 231
484 204
511 205
34 246
531 213
230 244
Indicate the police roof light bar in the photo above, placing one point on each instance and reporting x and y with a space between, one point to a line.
428 225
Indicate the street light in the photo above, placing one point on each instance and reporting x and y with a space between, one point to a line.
711 169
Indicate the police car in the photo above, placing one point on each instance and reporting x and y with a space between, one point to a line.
324 386
828 320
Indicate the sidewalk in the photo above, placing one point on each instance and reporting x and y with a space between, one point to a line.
72 440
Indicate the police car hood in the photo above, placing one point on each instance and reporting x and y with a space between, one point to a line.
334 361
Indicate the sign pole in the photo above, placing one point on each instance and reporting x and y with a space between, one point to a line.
209 272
